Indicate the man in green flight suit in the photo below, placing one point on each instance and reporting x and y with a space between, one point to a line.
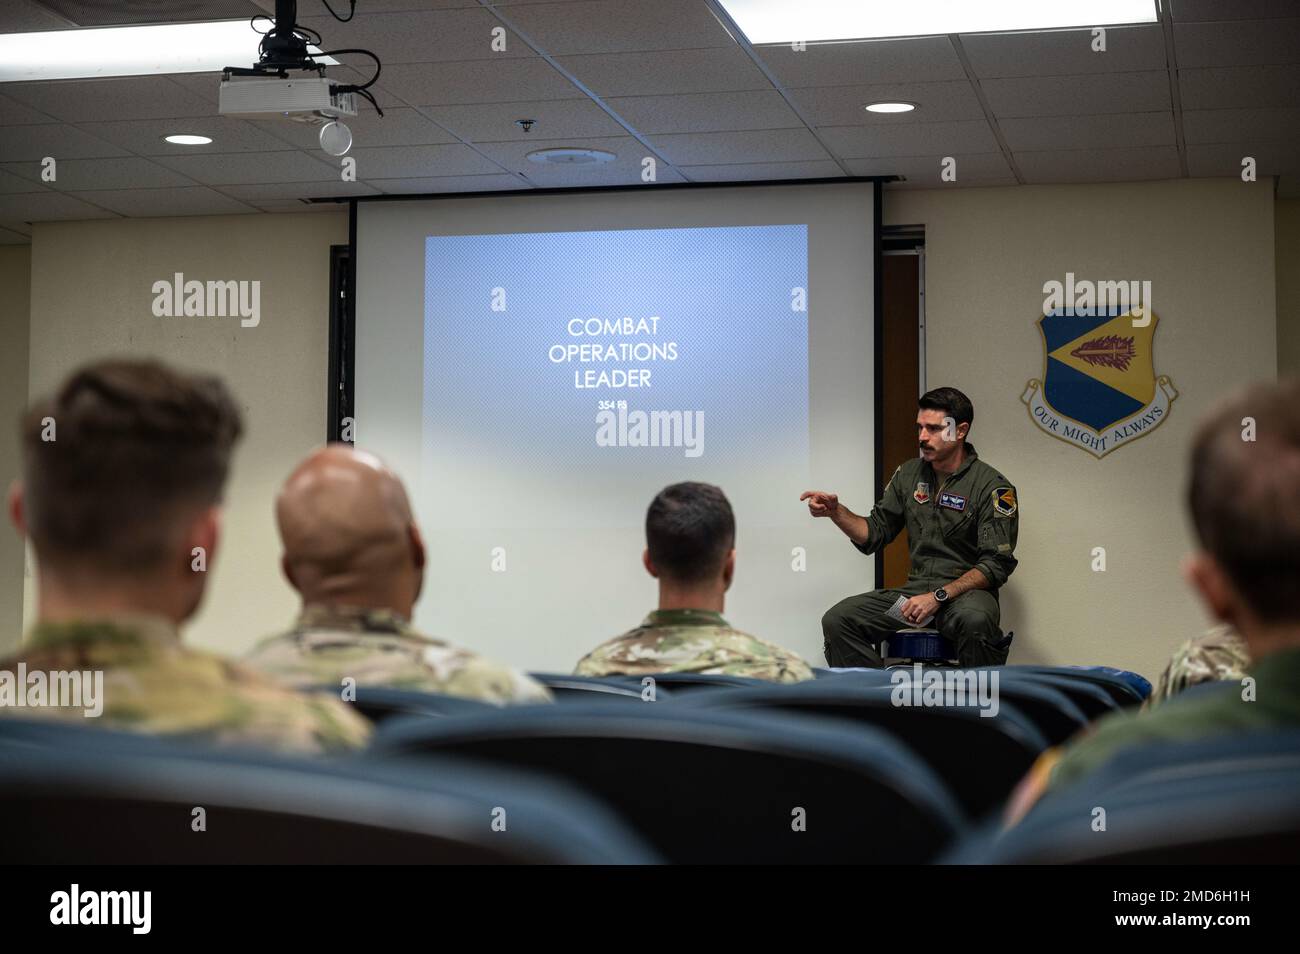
961 517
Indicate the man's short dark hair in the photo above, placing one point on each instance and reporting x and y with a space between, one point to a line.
1242 495
689 531
952 402
121 453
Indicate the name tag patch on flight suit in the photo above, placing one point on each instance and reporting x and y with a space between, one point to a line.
922 492
1004 501
952 501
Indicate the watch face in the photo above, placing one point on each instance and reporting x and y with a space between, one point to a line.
941 594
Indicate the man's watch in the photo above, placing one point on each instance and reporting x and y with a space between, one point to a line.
941 595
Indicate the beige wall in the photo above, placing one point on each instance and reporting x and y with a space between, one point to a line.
988 253
15 286
1287 231
91 297
1207 247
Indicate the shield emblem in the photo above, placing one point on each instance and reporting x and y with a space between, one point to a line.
1099 387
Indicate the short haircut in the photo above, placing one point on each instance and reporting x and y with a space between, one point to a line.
949 400
689 530
118 457
1242 496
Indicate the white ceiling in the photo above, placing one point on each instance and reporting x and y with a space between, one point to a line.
1213 81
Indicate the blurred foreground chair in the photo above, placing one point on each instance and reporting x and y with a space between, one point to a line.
717 787
94 796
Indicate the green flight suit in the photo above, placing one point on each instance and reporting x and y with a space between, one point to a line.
968 521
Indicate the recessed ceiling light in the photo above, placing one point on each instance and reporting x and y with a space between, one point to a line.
778 21
130 51
570 157
889 107
189 140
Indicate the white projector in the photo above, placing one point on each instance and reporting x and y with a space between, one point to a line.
304 100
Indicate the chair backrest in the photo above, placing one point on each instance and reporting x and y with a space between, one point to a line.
979 757
683 682
1092 699
1121 690
1227 800
1055 714
719 787
378 703
94 796
583 689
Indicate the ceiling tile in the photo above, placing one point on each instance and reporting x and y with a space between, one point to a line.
513 156
1242 125
761 171
416 36
48 206
1237 43
478 81
1231 9
22 228
123 97
976 167
408 162
764 145
1143 92
918 139
1248 87
147 203
241 168
20 183
915 60
706 112
399 126
79 175
275 191
14 113
1061 52
555 119
666 73
1224 159
619 26
436 184
614 174
1099 165
842 105
23 16
1087 132
145 136
33 143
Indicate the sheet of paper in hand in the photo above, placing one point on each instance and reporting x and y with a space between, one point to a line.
896 611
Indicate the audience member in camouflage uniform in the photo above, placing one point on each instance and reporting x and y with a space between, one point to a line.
354 553
690 534
123 472
1219 654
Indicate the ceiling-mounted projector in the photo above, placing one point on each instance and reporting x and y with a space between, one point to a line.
302 99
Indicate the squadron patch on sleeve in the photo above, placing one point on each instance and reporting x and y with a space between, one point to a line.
1004 501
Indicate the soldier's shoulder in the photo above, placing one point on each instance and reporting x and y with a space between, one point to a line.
989 476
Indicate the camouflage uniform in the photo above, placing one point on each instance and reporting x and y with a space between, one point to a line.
968 521
1273 704
692 641
379 648
155 685
1219 654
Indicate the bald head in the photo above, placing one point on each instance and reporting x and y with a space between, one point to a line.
348 534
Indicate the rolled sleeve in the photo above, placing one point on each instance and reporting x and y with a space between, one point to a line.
886 518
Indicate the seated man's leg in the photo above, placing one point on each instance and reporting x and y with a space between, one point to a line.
854 627
972 622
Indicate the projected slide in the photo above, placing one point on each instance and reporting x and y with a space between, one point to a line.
581 371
